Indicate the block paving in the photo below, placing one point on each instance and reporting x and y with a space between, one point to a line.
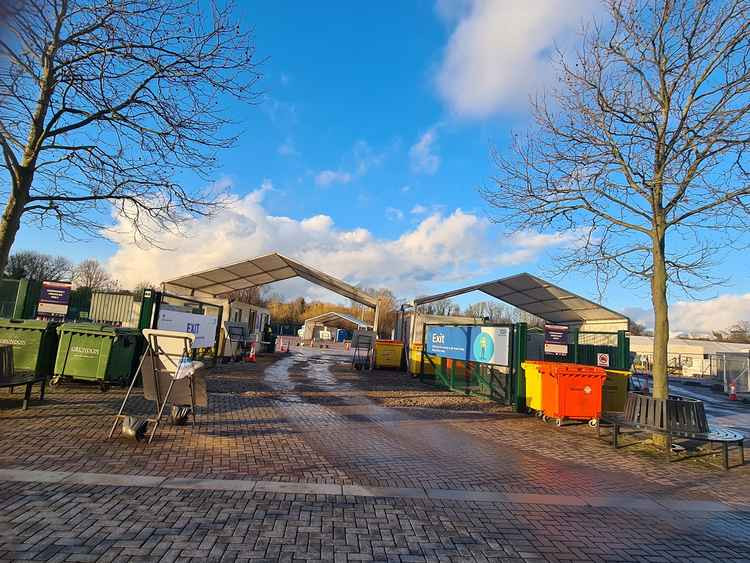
307 417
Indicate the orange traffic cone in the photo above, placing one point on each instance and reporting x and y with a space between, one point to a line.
251 355
732 391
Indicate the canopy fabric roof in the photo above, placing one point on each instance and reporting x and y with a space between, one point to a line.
261 271
538 297
337 320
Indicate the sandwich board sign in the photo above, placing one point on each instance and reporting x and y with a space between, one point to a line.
202 326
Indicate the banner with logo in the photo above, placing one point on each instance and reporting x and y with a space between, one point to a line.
54 299
202 326
471 343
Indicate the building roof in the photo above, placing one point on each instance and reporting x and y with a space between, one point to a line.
538 297
644 344
261 271
336 319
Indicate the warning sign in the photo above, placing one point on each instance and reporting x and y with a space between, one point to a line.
602 360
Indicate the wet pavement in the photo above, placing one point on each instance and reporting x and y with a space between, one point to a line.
302 458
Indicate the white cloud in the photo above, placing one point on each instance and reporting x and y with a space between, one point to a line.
287 148
453 247
699 317
328 177
499 51
452 10
405 189
365 158
418 210
394 214
360 160
422 155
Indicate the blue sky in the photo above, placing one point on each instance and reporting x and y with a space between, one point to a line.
364 155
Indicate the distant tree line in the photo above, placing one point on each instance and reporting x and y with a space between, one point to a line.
88 274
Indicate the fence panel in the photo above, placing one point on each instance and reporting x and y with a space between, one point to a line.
585 347
471 378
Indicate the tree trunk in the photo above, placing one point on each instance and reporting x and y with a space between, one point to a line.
661 319
661 327
11 219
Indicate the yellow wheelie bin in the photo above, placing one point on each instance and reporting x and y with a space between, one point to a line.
533 390
615 390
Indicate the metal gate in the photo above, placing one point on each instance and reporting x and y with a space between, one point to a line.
470 359
471 378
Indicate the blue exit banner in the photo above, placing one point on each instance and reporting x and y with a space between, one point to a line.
470 343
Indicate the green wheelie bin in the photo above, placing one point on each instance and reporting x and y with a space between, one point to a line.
34 344
95 352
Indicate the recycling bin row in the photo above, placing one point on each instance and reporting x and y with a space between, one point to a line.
564 391
84 351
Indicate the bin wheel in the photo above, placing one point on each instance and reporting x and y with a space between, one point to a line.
593 423
55 381
545 418
104 387
558 421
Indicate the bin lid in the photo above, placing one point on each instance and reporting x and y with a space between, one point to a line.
95 328
27 324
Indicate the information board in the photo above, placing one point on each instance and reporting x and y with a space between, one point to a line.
556 340
471 343
202 326
54 299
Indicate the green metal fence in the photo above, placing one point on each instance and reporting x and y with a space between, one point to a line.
584 348
471 378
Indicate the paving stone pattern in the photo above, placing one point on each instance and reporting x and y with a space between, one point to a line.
306 419
55 522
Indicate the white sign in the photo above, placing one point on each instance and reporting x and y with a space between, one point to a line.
498 354
602 360
202 326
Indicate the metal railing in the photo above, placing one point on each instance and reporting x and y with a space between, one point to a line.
470 378
725 366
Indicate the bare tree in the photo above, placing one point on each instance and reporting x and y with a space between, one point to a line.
443 307
92 275
110 105
641 148
739 332
251 296
38 266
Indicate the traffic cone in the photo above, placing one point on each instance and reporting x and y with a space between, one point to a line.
732 391
251 355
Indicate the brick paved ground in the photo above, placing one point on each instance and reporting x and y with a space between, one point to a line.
308 418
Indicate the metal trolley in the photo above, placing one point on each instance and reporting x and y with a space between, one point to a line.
169 376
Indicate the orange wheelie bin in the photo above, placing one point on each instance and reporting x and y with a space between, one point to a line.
572 392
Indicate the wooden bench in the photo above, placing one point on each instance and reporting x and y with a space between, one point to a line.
8 377
674 417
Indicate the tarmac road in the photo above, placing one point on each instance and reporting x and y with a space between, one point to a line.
719 409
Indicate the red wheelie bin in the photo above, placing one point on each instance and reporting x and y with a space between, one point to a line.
572 392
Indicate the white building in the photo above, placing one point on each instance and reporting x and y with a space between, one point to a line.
693 358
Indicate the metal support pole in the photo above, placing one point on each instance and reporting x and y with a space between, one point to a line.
520 332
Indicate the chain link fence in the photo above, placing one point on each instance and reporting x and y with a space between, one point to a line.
725 366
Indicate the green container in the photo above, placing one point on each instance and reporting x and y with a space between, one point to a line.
34 344
95 352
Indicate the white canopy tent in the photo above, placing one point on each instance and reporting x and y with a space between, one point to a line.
338 320
334 319
259 271
543 299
